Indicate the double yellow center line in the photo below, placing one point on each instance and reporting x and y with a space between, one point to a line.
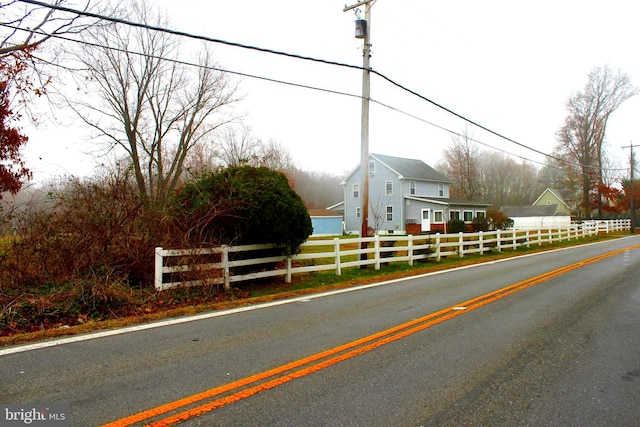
207 401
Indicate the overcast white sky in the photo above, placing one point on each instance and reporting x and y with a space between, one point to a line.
507 65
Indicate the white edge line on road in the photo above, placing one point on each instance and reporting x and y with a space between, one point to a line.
210 315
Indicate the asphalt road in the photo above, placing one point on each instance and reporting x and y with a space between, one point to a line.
562 350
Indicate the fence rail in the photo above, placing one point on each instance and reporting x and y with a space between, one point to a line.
223 265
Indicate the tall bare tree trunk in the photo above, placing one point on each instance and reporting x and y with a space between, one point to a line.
149 102
582 137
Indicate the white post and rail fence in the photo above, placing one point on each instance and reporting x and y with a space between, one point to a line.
223 265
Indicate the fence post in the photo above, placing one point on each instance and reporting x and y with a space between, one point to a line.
288 276
514 242
550 236
157 276
480 245
498 240
528 240
410 249
461 244
377 247
336 249
225 266
437 247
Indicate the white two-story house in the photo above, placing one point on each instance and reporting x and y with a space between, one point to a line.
405 196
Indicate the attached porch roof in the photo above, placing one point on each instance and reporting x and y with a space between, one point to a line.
448 202
337 207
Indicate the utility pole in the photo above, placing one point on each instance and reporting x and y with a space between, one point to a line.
363 30
632 209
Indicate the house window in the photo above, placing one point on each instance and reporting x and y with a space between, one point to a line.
356 191
412 187
389 213
480 214
441 190
358 212
454 215
468 216
372 168
388 188
438 217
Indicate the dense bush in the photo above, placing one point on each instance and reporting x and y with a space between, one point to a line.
455 225
499 220
96 227
85 250
243 205
480 224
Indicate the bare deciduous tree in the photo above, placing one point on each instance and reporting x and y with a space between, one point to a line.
142 98
238 146
24 75
24 31
460 163
276 156
582 137
26 26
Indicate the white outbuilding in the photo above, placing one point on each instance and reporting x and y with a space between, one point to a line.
537 217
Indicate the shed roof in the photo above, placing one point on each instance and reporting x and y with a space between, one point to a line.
529 211
323 212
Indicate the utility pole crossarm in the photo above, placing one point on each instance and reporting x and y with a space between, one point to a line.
360 3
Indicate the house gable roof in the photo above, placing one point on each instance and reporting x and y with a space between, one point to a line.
413 169
555 194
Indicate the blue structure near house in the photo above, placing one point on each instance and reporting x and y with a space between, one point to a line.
325 222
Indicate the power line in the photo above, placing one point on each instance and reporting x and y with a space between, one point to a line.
303 86
278 81
281 53
193 64
185 34
301 57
